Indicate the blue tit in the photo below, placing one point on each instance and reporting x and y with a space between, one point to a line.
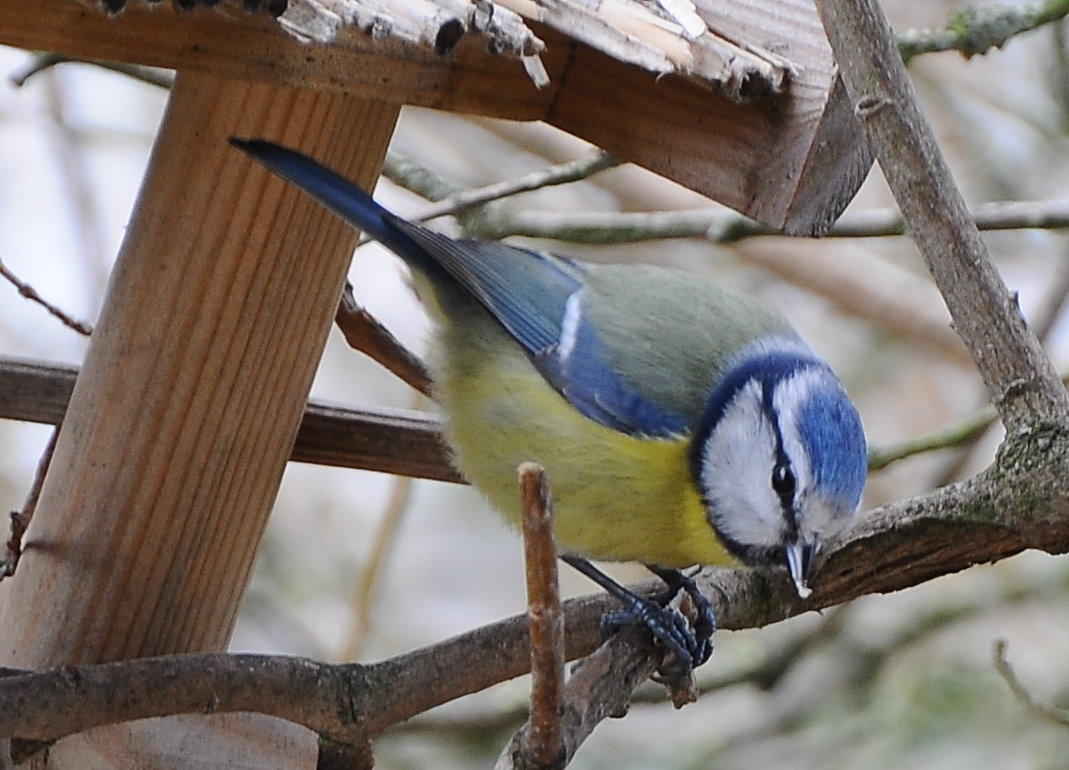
679 423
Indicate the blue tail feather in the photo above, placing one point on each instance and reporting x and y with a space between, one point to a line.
338 194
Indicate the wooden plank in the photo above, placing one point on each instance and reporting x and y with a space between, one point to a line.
184 414
814 156
185 411
792 163
399 441
226 40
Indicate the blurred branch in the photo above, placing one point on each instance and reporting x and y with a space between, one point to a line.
949 436
1053 714
882 294
363 593
1053 303
31 294
20 520
724 227
976 30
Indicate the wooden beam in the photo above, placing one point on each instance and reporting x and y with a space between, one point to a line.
226 40
793 163
185 411
184 414
399 441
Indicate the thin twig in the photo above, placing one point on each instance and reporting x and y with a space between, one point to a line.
1050 713
543 743
975 31
20 520
601 686
451 199
953 435
31 294
563 173
363 332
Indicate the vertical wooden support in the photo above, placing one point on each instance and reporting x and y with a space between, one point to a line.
185 411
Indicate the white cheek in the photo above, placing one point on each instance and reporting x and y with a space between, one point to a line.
736 471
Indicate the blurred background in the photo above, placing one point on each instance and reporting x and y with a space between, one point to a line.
362 566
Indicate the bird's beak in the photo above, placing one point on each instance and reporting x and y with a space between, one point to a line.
800 564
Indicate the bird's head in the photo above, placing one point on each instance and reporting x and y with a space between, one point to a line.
779 457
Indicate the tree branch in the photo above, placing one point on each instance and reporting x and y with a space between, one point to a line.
540 744
31 294
363 332
976 30
1020 502
20 520
1021 378
726 227
1059 717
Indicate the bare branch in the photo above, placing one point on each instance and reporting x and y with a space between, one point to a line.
363 332
31 294
1019 503
725 227
563 173
49 705
1001 512
20 520
540 743
976 30
1050 713
1015 369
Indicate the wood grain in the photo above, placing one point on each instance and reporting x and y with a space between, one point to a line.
197 374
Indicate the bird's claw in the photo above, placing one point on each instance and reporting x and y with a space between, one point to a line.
688 646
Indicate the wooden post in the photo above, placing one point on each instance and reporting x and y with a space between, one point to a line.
185 411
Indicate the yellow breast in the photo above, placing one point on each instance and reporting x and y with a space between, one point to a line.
616 497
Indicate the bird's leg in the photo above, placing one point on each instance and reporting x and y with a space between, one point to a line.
704 617
690 647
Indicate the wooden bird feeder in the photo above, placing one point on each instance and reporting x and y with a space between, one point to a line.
185 411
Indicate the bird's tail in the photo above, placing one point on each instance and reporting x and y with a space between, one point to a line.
336 193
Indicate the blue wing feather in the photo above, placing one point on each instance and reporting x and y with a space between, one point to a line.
526 291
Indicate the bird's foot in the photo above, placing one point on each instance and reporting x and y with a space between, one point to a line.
688 646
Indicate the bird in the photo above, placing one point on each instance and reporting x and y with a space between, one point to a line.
679 422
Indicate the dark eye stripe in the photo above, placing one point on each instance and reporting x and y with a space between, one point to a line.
783 480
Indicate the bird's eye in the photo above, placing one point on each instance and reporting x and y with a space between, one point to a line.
783 482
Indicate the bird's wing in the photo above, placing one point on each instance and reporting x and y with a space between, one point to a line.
539 301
